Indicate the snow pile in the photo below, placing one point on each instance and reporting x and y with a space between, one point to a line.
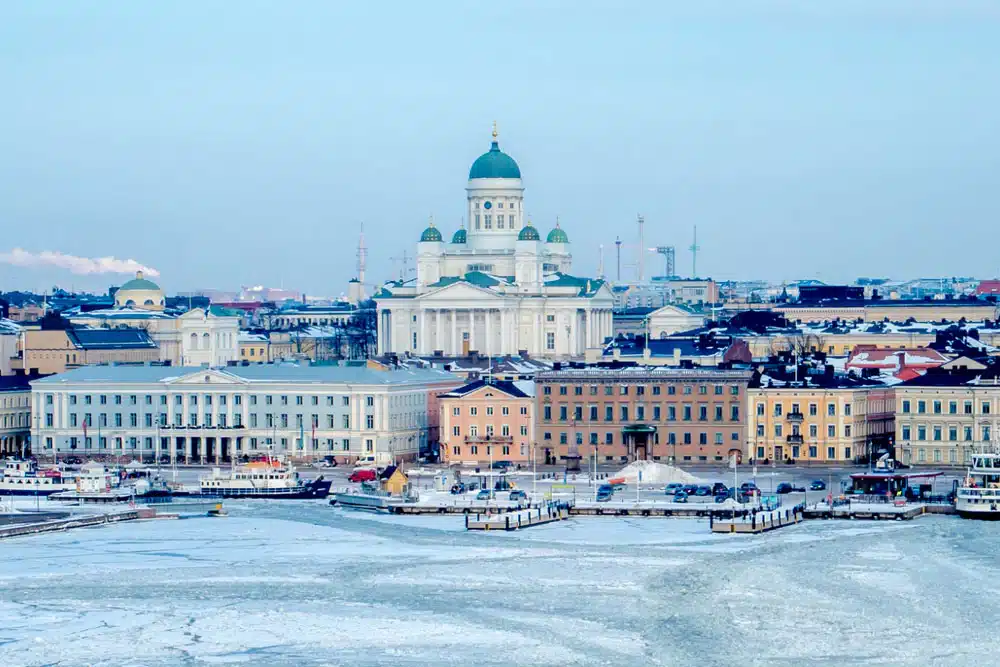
655 473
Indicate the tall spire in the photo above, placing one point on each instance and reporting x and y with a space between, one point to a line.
494 130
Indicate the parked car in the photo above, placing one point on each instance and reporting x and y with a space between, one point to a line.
748 488
73 460
672 488
457 489
363 475
484 494
817 485
604 493
703 491
690 489
721 497
720 489
681 497
517 494
502 465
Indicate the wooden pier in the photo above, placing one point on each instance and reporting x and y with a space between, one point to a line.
876 511
751 522
76 522
517 519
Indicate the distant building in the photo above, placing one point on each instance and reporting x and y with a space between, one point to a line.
486 420
15 415
10 335
254 348
497 288
624 414
140 293
338 314
906 363
48 351
946 412
818 418
209 415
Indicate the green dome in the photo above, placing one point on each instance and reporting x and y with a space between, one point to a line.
557 235
431 234
459 236
528 233
494 164
140 283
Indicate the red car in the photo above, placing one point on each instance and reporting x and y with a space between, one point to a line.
364 475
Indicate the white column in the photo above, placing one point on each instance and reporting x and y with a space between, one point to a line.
422 336
489 330
539 335
574 324
439 333
472 329
454 332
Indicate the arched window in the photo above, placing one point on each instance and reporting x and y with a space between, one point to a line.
129 303
206 341
148 302
194 341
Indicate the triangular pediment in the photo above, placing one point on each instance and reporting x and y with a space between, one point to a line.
207 376
458 291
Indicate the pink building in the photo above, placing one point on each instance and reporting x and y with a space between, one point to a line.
906 363
484 421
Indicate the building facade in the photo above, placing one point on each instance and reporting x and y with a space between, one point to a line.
619 415
496 288
839 422
942 415
209 415
48 351
15 415
199 336
483 421
140 293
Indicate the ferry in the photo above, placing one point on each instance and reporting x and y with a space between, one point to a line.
23 478
369 497
978 497
262 479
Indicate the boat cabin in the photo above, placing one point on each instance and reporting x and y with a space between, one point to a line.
893 484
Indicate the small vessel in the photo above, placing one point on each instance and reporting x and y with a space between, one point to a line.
269 478
369 497
978 497
24 478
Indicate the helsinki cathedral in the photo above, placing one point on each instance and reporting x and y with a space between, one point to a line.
497 288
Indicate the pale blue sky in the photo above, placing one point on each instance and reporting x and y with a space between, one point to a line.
230 143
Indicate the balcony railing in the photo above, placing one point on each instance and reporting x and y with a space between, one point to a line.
795 416
489 439
794 439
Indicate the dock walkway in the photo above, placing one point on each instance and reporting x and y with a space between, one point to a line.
517 519
76 522
749 521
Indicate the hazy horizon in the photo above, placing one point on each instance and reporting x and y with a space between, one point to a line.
227 148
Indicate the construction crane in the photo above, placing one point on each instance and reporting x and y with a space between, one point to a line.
668 259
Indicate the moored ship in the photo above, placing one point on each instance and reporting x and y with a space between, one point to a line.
262 479
978 497
24 478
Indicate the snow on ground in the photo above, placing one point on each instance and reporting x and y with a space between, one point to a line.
654 472
301 583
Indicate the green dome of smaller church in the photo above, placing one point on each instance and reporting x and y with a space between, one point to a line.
528 233
459 236
557 235
431 234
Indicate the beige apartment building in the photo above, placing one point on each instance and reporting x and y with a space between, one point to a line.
942 415
486 421
837 421
47 351
618 415
15 414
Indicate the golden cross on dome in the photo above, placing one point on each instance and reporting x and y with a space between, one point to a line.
494 130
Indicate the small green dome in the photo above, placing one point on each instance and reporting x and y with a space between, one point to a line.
494 164
431 234
528 233
138 283
557 235
459 236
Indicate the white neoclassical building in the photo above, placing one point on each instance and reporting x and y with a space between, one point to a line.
496 288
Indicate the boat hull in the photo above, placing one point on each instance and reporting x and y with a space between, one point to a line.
32 492
981 515
361 502
314 490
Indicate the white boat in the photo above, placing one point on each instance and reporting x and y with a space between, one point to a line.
369 497
261 479
24 478
978 497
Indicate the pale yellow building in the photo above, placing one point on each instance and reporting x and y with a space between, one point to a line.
836 423
48 351
15 415
254 348
140 293
943 414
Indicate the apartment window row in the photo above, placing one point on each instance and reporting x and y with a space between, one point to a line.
942 433
641 390
669 413
965 407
